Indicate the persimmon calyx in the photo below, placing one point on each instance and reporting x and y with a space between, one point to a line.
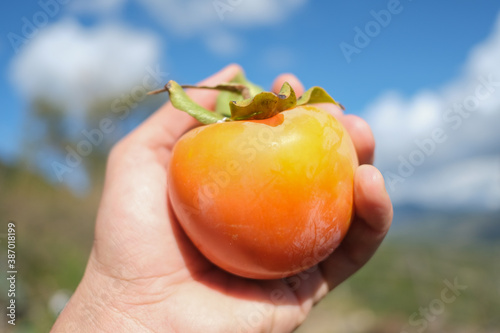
246 100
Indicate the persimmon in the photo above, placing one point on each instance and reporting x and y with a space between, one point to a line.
264 189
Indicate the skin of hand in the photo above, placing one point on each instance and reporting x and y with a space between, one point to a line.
144 275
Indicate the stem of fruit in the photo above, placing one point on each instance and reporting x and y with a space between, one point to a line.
235 88
231 87
180 100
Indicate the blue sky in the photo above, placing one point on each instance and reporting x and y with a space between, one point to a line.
426 47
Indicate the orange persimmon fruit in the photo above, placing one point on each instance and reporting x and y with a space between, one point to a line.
264 190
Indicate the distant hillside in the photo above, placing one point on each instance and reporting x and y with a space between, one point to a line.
453 225
54 235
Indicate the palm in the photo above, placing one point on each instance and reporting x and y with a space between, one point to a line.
158 266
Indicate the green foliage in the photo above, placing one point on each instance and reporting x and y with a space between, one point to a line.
54 231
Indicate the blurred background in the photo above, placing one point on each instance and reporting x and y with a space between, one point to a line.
424 74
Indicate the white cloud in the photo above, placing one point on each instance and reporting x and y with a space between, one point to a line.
224 43
195 17
218 27
70 64
484 58
460 170
182 18
216 22
469 183
96 6
262 12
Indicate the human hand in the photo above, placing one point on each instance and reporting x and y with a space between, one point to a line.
145 275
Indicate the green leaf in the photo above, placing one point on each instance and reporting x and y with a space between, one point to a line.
253 88
315 95
181 101
287 99
264 105
261 106
225 98
229 87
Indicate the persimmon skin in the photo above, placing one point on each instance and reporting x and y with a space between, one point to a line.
265 199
